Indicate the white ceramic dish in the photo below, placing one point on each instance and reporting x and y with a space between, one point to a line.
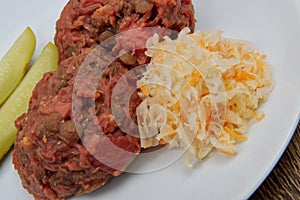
273 25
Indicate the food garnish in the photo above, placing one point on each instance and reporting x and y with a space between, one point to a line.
14 63
18 101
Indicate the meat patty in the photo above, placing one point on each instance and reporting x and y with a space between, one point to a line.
51 155
86 23
66 147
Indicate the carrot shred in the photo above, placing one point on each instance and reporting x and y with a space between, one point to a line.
243 76
144 91
176 106
162 142
230 153
195 78
259 118
234 134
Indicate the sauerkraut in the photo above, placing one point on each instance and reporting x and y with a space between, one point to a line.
202 92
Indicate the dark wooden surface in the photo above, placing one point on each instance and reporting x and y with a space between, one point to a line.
283 183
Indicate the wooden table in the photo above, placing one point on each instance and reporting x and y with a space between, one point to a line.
283 183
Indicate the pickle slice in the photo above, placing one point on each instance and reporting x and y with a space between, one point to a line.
18 102
14 63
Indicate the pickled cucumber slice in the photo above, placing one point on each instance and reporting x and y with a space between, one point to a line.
14 63
17 103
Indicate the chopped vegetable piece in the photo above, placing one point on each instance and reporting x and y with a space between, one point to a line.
14 63
17 103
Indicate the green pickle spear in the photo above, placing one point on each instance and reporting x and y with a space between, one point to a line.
18 102
14 63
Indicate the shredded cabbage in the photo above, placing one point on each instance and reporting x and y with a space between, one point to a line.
201 91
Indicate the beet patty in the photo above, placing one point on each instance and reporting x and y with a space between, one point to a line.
86 23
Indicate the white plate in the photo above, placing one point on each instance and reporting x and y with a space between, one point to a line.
273 25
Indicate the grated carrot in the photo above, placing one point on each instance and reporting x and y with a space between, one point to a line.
144 91
259 118
195 78
176 106
162 142
230 153
243 76
234 134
